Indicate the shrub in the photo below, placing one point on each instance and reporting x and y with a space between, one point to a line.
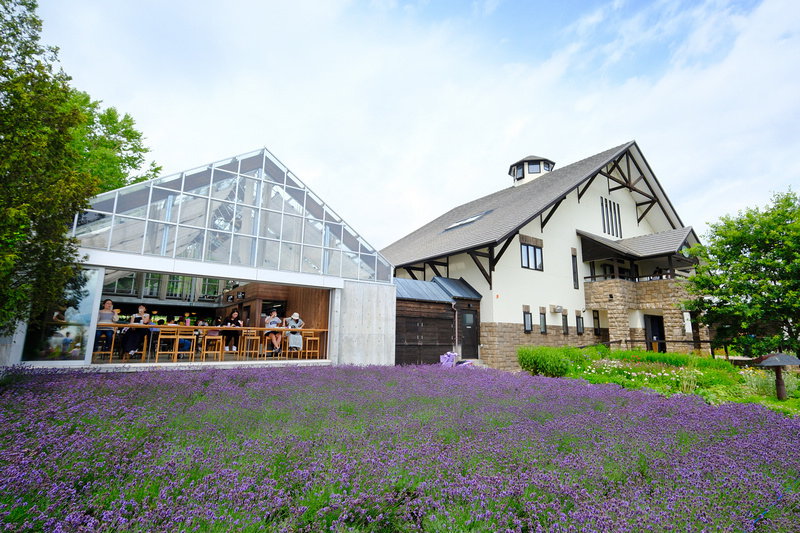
543 360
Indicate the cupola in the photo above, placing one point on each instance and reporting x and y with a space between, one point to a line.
529 169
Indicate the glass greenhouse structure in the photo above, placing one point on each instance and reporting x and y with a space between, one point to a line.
246 211
243 234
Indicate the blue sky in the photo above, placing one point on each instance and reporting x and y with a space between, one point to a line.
394 112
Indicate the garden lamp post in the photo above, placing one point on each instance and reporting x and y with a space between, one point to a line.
779 360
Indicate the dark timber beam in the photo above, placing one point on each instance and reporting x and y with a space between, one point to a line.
432 266
503 249
552 211
581 192
486 275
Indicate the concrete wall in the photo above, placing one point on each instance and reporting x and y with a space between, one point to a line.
363 319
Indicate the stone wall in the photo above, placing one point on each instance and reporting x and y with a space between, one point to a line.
661 297
499 341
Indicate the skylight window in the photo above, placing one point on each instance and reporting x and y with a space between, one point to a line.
468 220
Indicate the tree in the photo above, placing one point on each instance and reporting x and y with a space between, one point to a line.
114 149
55 146
748 280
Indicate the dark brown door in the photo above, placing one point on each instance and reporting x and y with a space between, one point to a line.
469 335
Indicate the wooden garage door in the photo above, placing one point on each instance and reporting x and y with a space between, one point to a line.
422 340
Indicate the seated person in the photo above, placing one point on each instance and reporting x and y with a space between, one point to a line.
135 336
295 337
104 336
275 336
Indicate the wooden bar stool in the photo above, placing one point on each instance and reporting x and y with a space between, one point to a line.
186 337
167 342
251 344
212 345
310 345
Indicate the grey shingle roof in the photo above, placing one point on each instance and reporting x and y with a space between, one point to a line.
504 212
654 244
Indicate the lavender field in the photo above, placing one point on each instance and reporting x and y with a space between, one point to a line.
384 449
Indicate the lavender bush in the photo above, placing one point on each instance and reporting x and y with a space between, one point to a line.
383 449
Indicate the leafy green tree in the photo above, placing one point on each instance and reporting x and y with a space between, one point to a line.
114 149
748 280
56 149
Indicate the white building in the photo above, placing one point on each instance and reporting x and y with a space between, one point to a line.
244 233
591 252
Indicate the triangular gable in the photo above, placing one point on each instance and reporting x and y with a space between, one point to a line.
496 218
247 211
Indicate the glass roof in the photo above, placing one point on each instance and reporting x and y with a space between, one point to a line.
248 210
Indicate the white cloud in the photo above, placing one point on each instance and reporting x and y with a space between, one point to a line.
393 118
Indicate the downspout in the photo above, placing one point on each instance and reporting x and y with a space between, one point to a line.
455 344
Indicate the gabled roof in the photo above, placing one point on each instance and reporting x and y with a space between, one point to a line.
249 212
653 245
494 218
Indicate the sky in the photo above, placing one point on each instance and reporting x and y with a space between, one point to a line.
395 112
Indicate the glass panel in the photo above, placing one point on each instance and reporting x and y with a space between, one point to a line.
193 210
189 243
231 165
331 216
104 202
271 222
273 171
93 229
349 240
246 220
221 216
162 205
314 206
365 248
333 235
250 163
312 260
384 270
272 197
290 257
244 250
248 191
312 233
294 200
293 181
268 251
169 182
332 265
152 283
367 270
224 185
292 229
218 247
133 201
198 181
349 265
126 234
63 333
160 239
